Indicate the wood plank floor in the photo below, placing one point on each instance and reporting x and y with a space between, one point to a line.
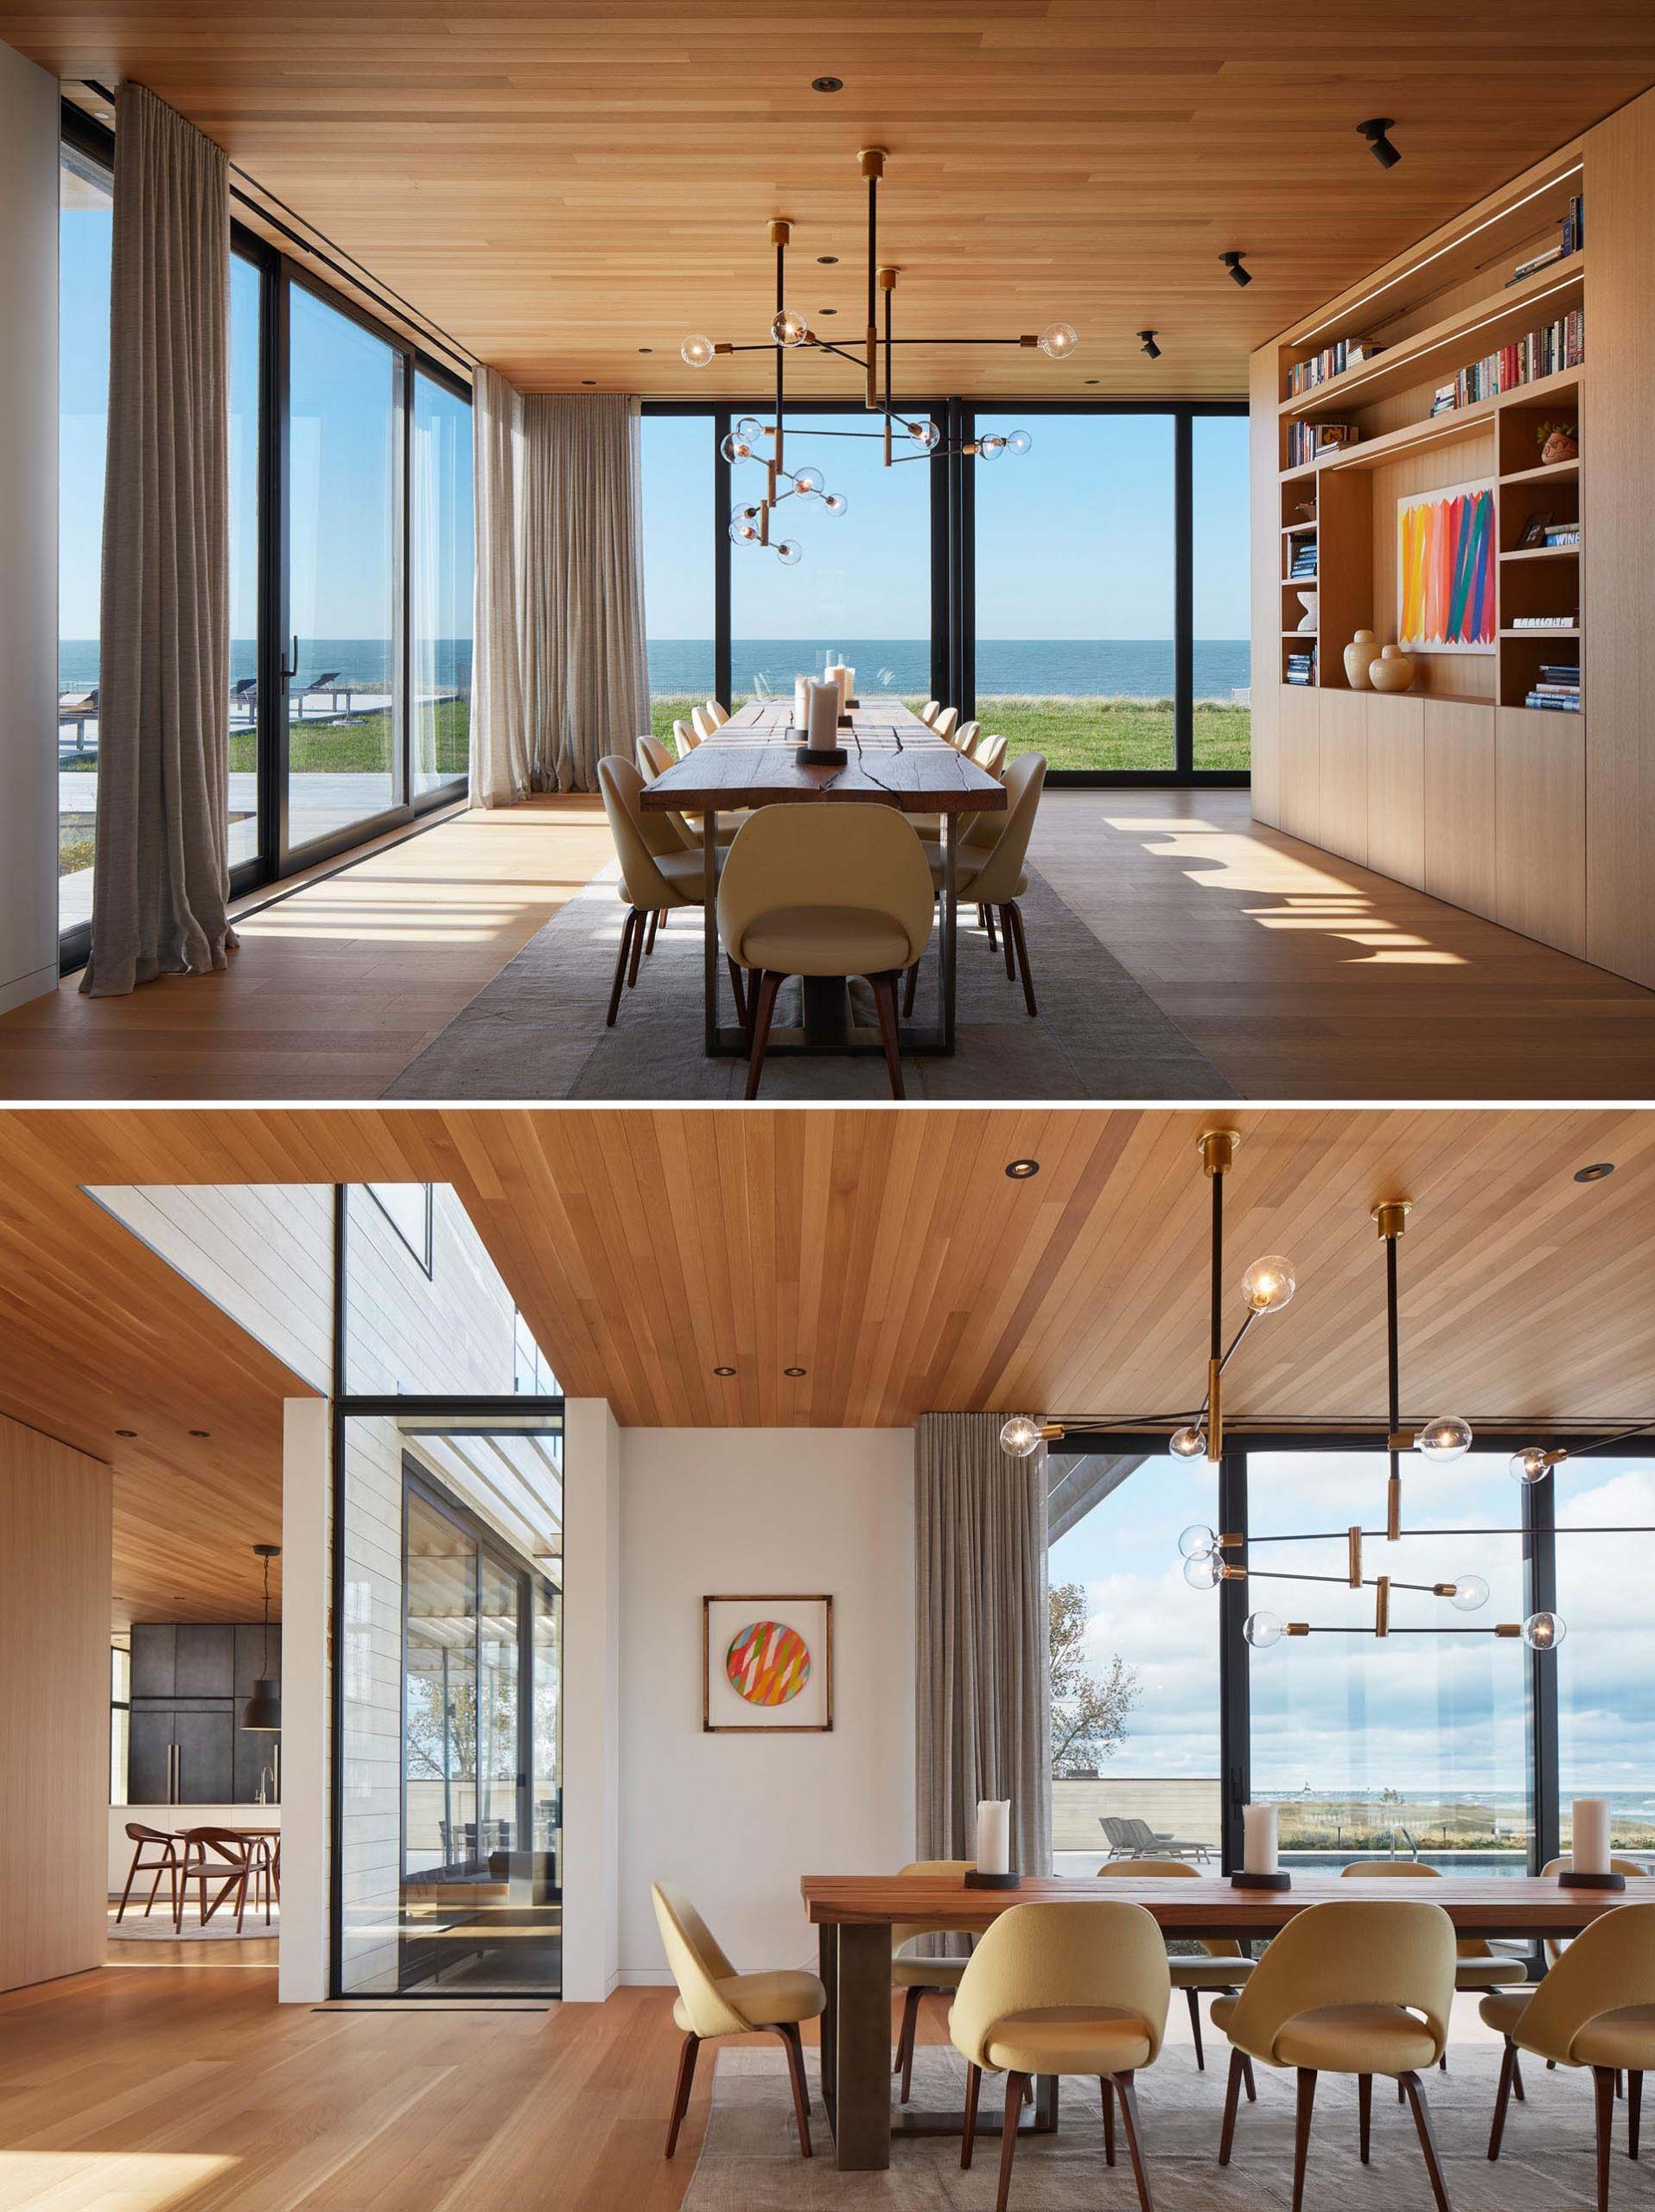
1300 975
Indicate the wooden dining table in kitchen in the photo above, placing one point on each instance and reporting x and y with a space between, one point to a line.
894 760
854 1915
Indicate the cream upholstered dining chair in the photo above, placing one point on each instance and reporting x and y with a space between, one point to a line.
718 714
657 872
824 890
715 2001
703 723
1596 2008
685 739
1361 1988
921 1974
989 754
943 720
1078 1988
992 875
1222 1965
929 711
1555 1946
1476 1965
964 736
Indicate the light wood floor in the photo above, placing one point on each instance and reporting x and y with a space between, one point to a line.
1299 974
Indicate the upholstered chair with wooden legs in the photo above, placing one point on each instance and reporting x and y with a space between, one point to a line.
657 872
989 754
1477 1965
1078 1988
684 740
703 724
921 1974
715 2001
1222 1965
1555 1946
991 874
943 720
929 711
1358 1988
1596 2008
824 890
965 737
718 714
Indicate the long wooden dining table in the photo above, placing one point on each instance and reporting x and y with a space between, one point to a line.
894 760
854 1916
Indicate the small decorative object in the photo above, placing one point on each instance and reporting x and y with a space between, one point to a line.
766 1665
1261 1867
1445 570
1392 671
1534 533
822 749
1360 655
1304 510
1559 441
1589 1862
1308 601
993 1867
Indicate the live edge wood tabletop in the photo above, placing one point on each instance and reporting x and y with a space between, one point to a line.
894 760
854 1915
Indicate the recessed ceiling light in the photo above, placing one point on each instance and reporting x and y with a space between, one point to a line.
827 84
1021 1170
647 349
1092 379
792 1371
126 1431
1595 1172
201 1432
827 260
589 381
827 310
723 1370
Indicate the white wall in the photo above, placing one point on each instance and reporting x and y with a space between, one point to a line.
736 1820
28 495
592 1450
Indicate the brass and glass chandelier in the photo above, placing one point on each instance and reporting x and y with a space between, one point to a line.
902 436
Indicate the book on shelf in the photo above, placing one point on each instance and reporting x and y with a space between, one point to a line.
1563 534
1544 621
1543 353
1560 672
1301 668
1442 400
1570 238
1332 361
1306 441
1303 568
1547 704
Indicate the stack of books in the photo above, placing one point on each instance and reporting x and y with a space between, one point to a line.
1544 621
1302 667
1555 345
1305 440
1332 361
1558 689
1303 565
1572 239
1562 533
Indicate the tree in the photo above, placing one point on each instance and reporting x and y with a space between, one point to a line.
1089 1709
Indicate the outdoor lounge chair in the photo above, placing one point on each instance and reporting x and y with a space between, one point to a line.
1148 1843
1121 1844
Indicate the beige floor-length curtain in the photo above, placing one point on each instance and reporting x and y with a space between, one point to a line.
562 674
161 886
983 1703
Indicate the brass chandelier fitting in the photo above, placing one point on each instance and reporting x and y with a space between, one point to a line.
752 439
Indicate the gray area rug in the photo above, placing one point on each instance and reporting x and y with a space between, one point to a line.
750 2158
536 1031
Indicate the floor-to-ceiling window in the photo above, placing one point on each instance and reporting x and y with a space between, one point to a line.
1604 1509
344 696
248 341
1221 618
85 231
441 557
680 582
1075 589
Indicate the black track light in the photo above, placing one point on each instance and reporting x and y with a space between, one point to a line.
1146 342
1233 263
1374 131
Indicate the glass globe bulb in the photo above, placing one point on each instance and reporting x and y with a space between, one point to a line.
1018 441
743 533
991 448
1058 340
744 511
1531 1464
1470 1593
697 352
1543 1631
789 328
835 503
807 479
1187 1443
1020 1437
735 447
1260 1631
1197 1540
1445 1436
789 553
1269 1284
1204 1572
750 428
927 434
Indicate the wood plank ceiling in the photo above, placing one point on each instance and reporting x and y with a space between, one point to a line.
885 1253
570 191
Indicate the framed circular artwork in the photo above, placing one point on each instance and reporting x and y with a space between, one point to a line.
767 1664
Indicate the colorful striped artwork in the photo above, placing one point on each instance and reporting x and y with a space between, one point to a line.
1445 569
767 1662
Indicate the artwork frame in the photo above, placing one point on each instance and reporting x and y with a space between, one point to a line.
806 1710
1538 524
1446 568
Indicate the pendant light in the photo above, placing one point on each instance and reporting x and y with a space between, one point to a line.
263 1710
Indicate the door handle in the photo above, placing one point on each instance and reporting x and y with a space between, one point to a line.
288 674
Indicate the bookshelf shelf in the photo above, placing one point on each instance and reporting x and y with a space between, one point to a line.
1550 629
1542 553
1552 471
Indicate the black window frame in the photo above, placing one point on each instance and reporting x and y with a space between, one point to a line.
424 1260
953 559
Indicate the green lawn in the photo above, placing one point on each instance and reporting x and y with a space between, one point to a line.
362 744
1079 733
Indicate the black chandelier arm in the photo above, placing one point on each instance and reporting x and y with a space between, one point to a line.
1368 1581
1393 1402
1319 1628
1609 1443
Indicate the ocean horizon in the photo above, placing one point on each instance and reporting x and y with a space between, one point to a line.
1108 668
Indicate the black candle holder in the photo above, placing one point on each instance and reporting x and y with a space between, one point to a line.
1243 1880
827 756
975 1879
1568 1879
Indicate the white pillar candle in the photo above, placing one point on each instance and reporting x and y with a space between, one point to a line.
847 686
1258 1849
834 674
824 724
994 1836
1589 1849
801 703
